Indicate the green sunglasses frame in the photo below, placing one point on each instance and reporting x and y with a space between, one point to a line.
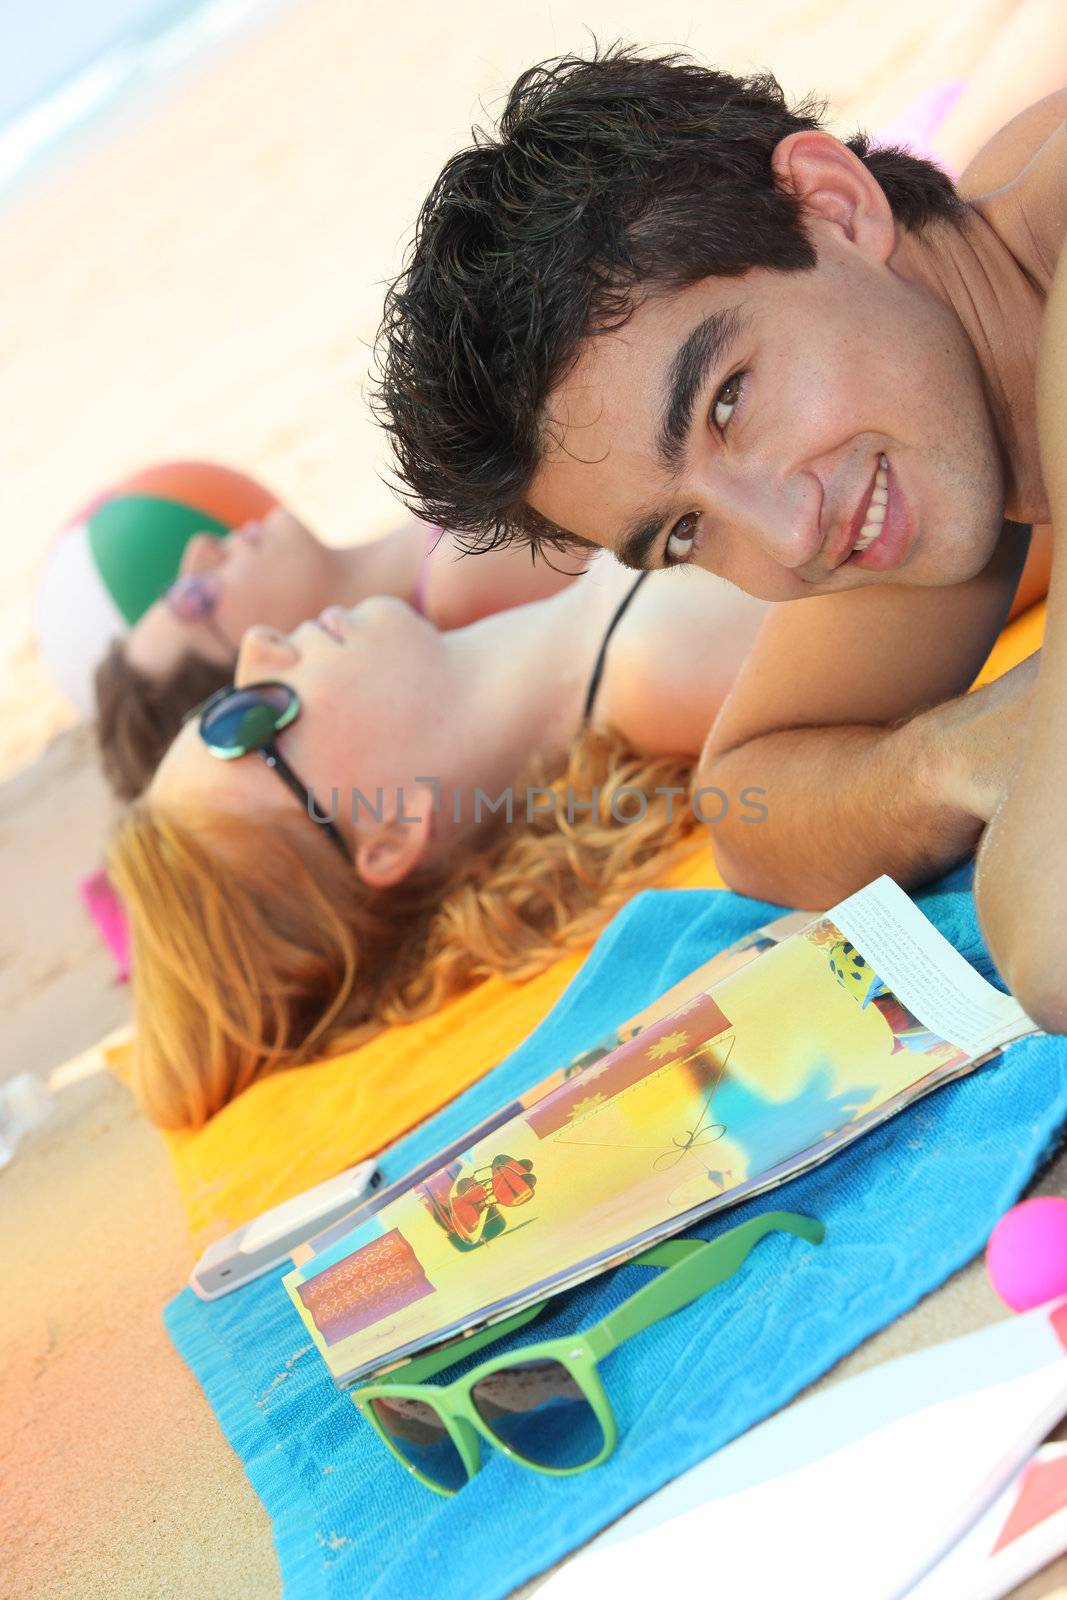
268 750
693 1267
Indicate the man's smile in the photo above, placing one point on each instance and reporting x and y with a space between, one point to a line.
888 535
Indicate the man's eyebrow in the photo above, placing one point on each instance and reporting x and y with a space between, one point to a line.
703 349
636 542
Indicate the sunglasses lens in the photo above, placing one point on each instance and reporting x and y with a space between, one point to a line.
540 1412
419 1437
246 718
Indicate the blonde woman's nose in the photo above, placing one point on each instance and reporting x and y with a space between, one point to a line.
264 651
203 553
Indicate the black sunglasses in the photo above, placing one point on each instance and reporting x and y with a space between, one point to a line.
235 722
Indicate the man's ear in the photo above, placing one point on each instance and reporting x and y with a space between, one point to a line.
392 848
833 186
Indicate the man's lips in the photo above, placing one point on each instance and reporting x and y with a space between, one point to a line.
846 542
896 541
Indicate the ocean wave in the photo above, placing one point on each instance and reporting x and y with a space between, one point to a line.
66 108
128 66
209 24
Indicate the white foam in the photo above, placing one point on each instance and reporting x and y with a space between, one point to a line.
130 65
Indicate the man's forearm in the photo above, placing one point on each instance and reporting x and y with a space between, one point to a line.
843 805
1021 882
1021 878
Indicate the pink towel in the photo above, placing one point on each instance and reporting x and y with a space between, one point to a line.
106 910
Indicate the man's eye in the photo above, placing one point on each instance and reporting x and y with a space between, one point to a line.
726 400
681 538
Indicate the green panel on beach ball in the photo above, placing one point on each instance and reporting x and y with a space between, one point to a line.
137 543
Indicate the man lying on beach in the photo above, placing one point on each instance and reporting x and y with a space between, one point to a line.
664 314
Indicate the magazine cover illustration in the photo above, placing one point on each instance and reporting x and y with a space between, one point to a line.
784 1056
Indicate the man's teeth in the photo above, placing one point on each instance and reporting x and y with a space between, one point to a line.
872 524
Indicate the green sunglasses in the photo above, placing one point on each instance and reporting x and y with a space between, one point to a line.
545 1406
235 722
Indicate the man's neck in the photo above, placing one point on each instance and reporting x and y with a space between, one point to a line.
999 308
995 275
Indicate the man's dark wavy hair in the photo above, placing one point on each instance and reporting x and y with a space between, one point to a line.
610 177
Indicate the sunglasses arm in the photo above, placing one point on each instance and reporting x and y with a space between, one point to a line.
273 758
693 1267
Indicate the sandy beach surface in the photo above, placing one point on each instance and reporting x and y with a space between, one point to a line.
207 284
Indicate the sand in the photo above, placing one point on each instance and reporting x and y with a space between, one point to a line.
208 285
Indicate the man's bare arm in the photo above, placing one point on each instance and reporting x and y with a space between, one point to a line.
850 715
839 807
1021 883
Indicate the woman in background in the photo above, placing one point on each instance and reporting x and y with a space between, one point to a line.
274 570
263 938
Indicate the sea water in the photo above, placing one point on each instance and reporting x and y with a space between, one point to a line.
67 64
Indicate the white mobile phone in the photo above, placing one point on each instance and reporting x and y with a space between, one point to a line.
265 1242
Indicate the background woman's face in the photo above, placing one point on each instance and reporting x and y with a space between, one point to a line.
274 571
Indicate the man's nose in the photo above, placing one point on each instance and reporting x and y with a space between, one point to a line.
781 515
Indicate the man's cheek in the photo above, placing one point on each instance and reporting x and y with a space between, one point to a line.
760 577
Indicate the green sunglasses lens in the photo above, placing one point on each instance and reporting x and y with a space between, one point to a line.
420 1437
246 719
541 1413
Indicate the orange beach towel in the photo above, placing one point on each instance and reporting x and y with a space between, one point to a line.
299 1126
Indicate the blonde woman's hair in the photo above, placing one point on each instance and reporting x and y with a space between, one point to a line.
253 948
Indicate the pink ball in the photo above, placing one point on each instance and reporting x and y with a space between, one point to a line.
1026 1256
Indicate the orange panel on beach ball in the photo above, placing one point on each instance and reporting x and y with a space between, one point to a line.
223 493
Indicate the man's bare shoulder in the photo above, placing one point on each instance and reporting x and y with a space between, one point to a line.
1018 182
1003 157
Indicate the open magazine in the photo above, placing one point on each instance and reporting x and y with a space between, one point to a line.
775 1054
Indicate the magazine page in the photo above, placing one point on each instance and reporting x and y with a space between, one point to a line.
777 1063
925 972
729 960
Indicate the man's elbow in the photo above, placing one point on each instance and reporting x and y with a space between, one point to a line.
737 856
1033 964
740 870
1039 985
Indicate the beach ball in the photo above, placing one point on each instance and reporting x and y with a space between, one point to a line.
1026 1256
116 556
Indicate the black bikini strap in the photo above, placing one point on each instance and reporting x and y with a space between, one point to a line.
598 670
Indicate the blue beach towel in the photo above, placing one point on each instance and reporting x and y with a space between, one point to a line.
904 1207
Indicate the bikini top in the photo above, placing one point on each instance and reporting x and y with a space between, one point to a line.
418 601
598 670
